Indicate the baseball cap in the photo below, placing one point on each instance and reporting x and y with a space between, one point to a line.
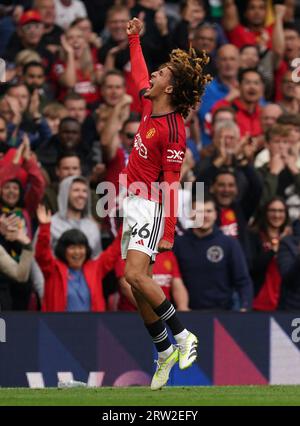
30 16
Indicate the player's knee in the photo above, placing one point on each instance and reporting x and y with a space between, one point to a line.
134 278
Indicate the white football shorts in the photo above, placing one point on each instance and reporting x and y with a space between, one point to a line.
143 225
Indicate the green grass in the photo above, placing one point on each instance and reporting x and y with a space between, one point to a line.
188 396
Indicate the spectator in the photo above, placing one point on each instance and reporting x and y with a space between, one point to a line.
225 113
53 113
212 265
13 271
91 38
290 102
269 116
66 11
73 282
255 31
289 265
291 42
205 38
52 32
234 212
281 175
24 116
77 108
29 34
193 15
75 70
13 197
224 86
227 150
74 211
22 58
35 80
67 165
246 104
249 56
269 229
67 139
157 40
117 138
166 273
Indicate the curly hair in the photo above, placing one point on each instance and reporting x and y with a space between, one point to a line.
189 80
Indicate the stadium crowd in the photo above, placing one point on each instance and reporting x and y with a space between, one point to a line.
69 113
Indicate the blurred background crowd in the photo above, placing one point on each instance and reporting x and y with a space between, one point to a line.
68 116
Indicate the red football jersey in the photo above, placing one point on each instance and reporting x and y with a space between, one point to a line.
159 144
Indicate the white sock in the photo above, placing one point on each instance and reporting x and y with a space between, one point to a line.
165 354
180 338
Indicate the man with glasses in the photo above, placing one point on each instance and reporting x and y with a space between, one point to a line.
29 33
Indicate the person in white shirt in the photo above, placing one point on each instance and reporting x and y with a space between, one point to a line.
67 11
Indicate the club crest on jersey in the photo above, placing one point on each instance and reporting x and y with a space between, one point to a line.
175 156
150 133
140 147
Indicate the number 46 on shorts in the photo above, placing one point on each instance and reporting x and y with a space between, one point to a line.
143 232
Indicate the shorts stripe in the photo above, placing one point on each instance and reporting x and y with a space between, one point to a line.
157 227
154 226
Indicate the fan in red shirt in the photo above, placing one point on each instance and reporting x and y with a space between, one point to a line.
76 70
255 32
157 156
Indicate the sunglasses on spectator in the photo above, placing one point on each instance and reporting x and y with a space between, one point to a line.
32 25
129 135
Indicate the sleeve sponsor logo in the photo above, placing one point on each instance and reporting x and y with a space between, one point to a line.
175 156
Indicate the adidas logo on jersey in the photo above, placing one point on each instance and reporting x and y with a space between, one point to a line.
141 242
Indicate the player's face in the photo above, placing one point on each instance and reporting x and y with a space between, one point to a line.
75 255
160 83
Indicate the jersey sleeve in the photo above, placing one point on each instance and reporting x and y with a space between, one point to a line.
139 71
172 146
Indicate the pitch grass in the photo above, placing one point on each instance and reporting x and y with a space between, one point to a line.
136 396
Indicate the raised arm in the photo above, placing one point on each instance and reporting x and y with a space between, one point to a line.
231 15
139 69
43 253
278 43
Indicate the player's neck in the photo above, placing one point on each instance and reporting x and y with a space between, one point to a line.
161 106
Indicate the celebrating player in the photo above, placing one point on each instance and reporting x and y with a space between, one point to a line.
149 219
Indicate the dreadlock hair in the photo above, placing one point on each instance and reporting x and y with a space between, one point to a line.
189 80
